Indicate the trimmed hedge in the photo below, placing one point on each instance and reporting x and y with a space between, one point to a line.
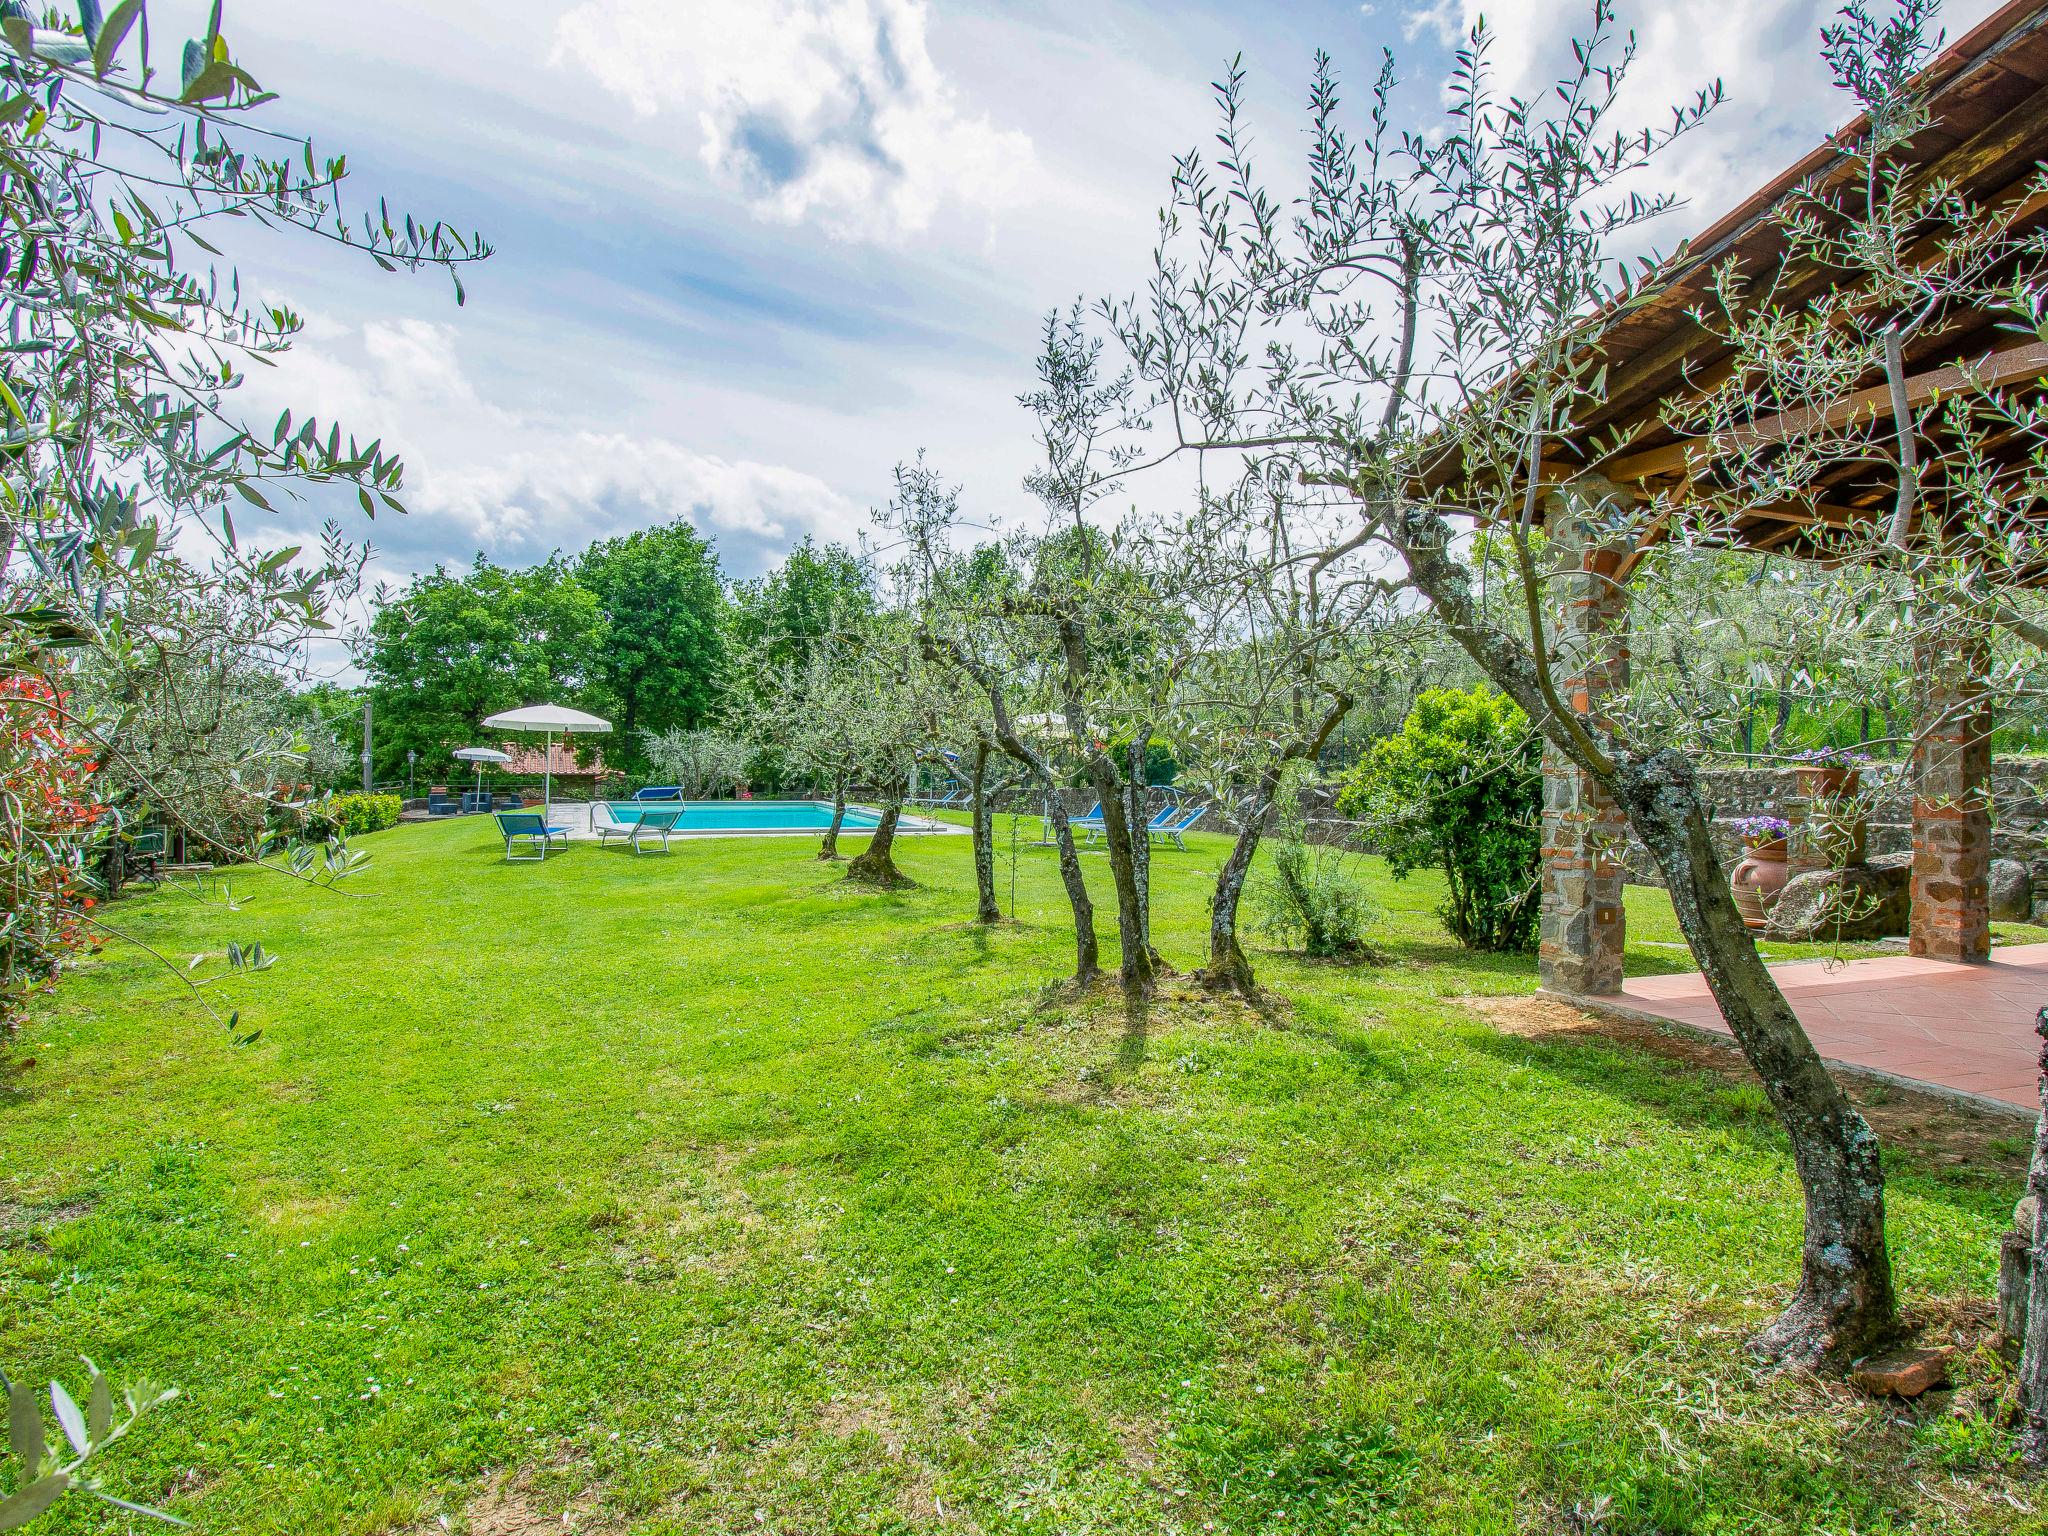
352 814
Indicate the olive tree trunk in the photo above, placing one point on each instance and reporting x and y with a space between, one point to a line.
1136 785
874 865
986 909
2034 1342
1138 967
1228 970
1845 1304
1087 948
829 849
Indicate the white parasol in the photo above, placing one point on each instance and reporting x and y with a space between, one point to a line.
550 720
480 756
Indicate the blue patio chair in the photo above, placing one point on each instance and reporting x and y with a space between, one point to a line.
608 824
659 792
438 804
475 801
534 829
1158 828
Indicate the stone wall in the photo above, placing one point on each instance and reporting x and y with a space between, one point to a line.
2019 813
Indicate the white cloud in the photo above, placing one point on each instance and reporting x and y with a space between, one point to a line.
518 482
589 485
824 111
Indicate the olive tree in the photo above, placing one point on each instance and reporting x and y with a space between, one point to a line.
1939 578
969 620
1287 617
1409 336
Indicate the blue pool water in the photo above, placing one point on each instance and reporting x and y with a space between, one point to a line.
749 815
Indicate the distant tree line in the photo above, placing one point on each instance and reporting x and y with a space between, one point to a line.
643 629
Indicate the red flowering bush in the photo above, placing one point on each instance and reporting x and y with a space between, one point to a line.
49 822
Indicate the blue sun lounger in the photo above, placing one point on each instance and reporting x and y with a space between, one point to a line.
1095 827
1163 826
608 824
533 827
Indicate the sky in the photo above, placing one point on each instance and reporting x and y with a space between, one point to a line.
753 253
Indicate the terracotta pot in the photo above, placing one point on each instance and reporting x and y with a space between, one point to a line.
1758 879
1837 821
1826 781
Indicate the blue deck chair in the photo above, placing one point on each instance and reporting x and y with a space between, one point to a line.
659 792
533 827
1096 827
1160 826
608 824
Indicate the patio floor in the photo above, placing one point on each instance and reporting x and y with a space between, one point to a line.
1965 1029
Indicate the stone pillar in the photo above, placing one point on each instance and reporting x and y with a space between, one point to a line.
1951 801
1583 924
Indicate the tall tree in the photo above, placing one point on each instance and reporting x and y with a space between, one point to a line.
1287 621
657 663
1091 604
452 650
814 594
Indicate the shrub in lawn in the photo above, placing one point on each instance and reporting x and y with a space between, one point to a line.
1460 789
1312 900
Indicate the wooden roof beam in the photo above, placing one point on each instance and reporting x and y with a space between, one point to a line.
2013 365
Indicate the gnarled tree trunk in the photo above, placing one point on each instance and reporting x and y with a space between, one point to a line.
1228 970
1135 786
1087 949
2034 1343
1845 1304
874 865
1138 968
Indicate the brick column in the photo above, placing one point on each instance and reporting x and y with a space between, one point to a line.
1951 801
1583 925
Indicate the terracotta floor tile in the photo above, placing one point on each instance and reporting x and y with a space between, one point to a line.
1969 1028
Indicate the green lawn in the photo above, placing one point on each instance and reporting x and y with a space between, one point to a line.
706 1194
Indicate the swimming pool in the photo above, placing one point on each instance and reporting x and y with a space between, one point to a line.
749 815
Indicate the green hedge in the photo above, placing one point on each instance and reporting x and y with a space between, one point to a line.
347 815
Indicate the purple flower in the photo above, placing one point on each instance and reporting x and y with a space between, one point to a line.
1763 829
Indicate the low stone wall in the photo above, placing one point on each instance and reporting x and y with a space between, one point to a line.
2019 813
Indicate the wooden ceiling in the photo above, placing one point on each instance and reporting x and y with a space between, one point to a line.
1987 138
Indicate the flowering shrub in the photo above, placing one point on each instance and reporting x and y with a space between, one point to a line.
49 821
